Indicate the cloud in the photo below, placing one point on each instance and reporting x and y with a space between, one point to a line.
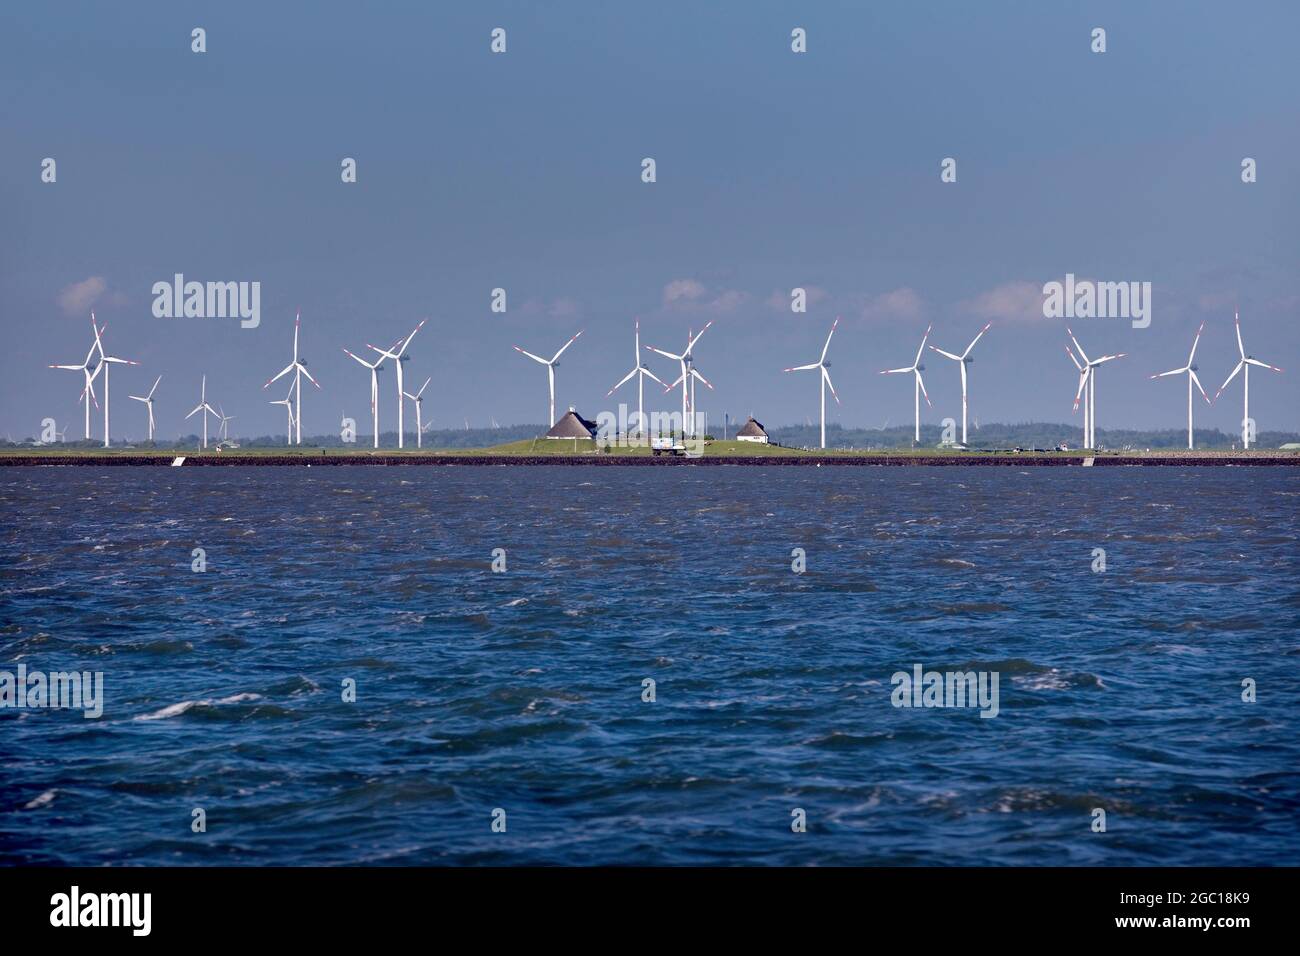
779 300
80 296
1017 300
682 291
693 295
900 304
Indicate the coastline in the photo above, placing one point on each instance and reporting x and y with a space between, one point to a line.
797 460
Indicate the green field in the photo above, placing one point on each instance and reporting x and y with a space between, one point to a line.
588 449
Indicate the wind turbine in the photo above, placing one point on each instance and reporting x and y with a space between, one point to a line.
822 365
640 370
106 361
398 354
374 387
916 368
88 388
1246 362
287 402
687 379
419 401
1085 374
1190 369
148 402
1088 377
299 369
225 419
205 408
551 365
963 360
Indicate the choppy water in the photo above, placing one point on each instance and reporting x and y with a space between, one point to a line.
522 690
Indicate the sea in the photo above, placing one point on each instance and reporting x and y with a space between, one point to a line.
652 666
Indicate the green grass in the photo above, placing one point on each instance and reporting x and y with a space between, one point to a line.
542 447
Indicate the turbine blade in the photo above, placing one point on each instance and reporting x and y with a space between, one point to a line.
695 373
803 368
920 381
1226 381
1198 385
976 339
1257 362
284 371
828 339
566 345
1191 358
1236 319
921 347
623 381
955 358
827 376
535 358
1082 354
894 371
304 371
691 341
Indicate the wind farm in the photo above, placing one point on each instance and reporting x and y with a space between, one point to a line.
632 438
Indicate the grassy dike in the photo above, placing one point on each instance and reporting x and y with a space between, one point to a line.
569 452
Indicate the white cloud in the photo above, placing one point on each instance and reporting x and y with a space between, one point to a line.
682 291
1016 300
80 296
902 304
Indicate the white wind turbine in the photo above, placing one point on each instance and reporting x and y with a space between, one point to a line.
148 403
299 370
287 402
551 364
419 402
822 365
205 408
640 370
687 378
916 368
398 354
88 388
1190 369
1246 362
225 421
1085 374
1088 377
106 361
963 360
374 387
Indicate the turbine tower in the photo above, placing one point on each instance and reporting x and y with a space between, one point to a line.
148 402
688 377
299 369
1088 377
963 360
374 387
551 364
205 408
1246 362
916 368
398 354
1190 369
105 362
1085 374
822 365
419 402
287 402
640 370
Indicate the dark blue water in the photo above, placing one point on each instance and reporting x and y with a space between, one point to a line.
523 690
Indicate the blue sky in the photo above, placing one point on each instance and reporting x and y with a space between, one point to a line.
522 171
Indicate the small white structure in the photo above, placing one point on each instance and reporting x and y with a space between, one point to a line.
752 430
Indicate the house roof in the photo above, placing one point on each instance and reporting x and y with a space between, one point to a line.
572 425
752 428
